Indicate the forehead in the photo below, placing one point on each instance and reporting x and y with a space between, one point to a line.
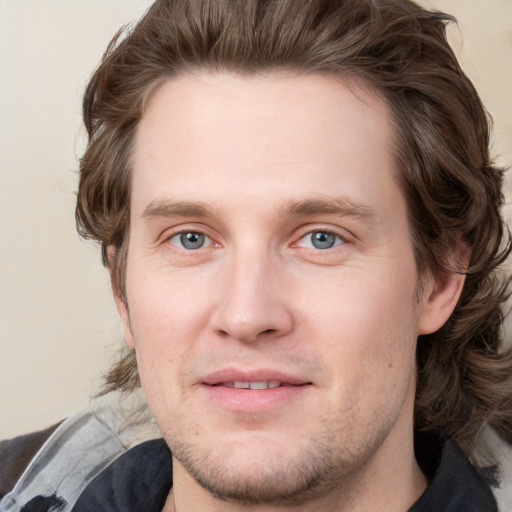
207 134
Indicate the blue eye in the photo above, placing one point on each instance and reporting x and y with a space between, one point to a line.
190 240
320 240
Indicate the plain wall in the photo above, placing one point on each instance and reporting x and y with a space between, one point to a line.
57 320
58 325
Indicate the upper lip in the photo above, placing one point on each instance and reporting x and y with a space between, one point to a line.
258 375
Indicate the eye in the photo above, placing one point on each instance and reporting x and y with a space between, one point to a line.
190 240
320 240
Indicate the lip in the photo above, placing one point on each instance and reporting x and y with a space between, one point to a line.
218 388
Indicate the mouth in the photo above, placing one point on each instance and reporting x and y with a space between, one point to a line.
257 391
254 385
252 379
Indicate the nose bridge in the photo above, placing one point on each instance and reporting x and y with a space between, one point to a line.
252 303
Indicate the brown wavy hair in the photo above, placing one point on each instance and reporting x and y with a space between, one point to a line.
453 189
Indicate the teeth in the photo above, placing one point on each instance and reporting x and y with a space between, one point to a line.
258 385
267 384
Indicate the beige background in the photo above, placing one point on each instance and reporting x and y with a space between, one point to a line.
57 322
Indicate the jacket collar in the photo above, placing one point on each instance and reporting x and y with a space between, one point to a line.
141 479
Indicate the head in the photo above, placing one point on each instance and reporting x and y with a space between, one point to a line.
390 55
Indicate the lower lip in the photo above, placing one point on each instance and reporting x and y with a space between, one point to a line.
252 400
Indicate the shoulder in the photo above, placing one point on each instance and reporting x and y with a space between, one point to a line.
16 453
68 456
494 451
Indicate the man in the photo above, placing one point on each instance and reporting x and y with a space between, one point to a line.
301 221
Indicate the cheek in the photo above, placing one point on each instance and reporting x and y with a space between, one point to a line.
371 365
164 307
363 303
165 321
367 328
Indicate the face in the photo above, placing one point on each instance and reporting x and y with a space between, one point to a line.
272 292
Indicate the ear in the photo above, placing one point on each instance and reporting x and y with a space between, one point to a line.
124 316
441 292
121 303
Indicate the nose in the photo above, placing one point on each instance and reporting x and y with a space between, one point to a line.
253 303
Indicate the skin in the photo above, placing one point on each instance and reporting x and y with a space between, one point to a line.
250 168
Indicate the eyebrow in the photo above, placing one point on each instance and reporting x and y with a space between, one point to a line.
168 208
329 206
162 208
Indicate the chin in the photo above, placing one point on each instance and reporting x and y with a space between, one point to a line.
260 471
